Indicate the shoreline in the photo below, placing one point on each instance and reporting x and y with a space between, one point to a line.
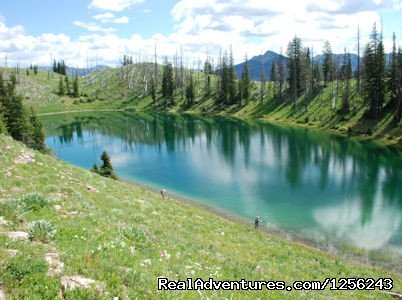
359 259
378 142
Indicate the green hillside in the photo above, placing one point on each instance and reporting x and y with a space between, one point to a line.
124 237
129 88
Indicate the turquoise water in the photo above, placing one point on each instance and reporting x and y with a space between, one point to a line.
306 183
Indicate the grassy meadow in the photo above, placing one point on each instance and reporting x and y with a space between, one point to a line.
124 237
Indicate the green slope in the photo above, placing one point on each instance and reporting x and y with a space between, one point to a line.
128 88
125 237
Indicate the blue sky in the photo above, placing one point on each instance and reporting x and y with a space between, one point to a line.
34 31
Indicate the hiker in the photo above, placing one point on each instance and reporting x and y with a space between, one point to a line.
257 221
163 193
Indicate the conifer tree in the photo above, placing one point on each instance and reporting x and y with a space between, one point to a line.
224 80
346 71
3 126
231 76
106 169
61 86
168 82
207 73
398 113
374 73
190 93
95 169
295 65
245 82
37 137
328 64
281 74
393 74
76 92
16 118
67 86
262 83
153 90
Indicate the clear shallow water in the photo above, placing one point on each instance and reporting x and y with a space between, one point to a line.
313 185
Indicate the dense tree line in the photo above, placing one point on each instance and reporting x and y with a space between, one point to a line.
59 67
65 86
299 80
22 124
127 60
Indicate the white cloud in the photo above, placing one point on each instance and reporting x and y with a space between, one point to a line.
106 17
111 18
255 25
146 11
93 27
121 20
201 28
113 5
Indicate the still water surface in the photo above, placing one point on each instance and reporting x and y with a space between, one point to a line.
309 184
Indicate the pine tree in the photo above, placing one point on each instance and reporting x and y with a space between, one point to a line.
3 89
95 169
346 71
61 86
328 65
106 169
245 81
398 112
224 80
262 82
190 94
393 74
281 74
153 90
207 73
16 119
231 77
37 137
168 82
54 66
358 61
35 69
374 73
3 126
76 92
67 85
295 68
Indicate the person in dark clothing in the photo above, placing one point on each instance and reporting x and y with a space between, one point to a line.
257 222
163 193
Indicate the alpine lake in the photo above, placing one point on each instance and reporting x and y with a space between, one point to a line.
337 194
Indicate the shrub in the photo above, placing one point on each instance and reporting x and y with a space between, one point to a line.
135 234
20 267
41 230
34 201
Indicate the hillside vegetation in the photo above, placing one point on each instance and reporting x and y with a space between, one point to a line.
129 88
121 238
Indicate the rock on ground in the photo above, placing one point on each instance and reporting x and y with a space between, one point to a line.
11 253
2 295
92 189
73 282
55 265
25 157
18 235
